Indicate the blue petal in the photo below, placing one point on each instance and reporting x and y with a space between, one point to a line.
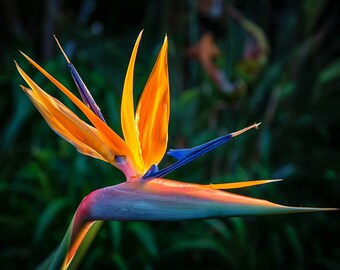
85 93
153 169
184 156
179 153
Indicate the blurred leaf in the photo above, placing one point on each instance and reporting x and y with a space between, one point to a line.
239 230
313 10
116 234
145 235
50 213
187 245
22 111
220 227
294 241
119 261
330 73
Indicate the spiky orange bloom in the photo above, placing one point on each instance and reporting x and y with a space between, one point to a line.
145 195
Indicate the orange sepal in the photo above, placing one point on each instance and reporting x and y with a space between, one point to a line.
129 125
84 137
241 184
116 143
153 111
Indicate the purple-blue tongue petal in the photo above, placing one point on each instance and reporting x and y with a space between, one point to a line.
184 156
84 92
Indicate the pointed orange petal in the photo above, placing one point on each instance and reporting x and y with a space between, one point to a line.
241 184
129 125
153 111
60 128
85 138
116 143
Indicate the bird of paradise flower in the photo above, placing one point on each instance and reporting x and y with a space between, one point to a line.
145 195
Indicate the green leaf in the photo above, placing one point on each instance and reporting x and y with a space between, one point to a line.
48 215
145 236
330 73
116 233
220 227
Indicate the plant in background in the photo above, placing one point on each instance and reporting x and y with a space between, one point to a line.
145 195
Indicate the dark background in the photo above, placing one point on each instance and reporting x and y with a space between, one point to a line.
290 83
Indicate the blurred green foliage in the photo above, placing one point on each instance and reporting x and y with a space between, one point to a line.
295 94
